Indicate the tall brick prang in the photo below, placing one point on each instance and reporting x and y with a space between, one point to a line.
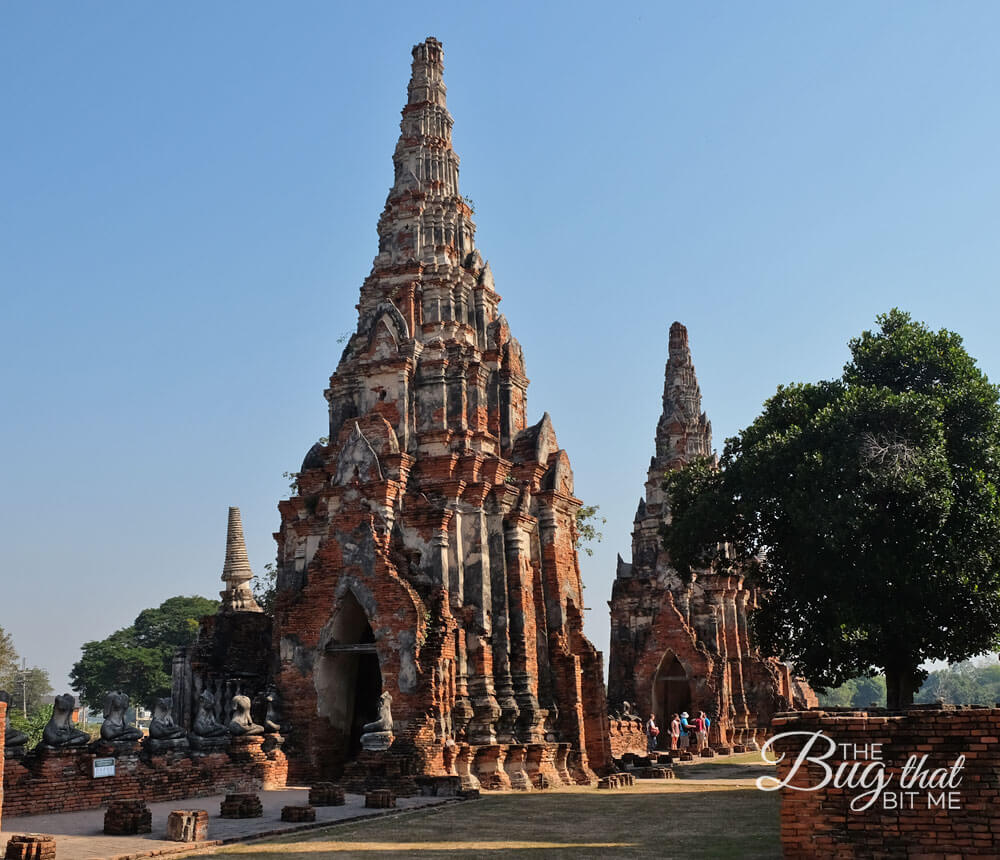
429 548
684 646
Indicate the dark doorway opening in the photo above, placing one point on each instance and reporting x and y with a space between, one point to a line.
348 678
671 690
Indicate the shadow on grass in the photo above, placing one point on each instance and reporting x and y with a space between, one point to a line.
649 821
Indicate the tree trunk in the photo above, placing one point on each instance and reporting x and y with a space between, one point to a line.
900 685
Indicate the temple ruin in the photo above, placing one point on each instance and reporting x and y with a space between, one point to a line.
684 646
428 551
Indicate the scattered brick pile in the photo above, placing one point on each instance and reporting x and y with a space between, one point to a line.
653 772
380 798
326 794
965 822
241 805
187 825
708 752
616 780
31 846
61 780
127 817
298 813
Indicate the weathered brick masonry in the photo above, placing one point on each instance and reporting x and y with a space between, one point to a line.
684 646
429 549
821 824
3 717
62 780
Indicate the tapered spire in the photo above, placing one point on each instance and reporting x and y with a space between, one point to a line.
425 218
684 431
237 572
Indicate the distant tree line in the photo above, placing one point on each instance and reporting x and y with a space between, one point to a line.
967 683
29 688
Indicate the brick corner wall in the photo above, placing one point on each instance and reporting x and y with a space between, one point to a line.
930 772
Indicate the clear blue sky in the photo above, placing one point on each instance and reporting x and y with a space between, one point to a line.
188 199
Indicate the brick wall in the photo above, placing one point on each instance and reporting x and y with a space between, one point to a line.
955 814
629 736
3 724
62 780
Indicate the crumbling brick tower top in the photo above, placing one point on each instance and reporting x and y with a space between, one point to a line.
429 549
684 646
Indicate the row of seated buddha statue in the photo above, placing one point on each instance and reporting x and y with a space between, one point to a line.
207 733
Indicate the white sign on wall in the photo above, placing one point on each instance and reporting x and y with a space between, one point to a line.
104 767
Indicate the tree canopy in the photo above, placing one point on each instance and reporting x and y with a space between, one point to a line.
136 659
27 685
867 509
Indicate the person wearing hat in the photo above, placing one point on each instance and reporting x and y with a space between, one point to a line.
686 730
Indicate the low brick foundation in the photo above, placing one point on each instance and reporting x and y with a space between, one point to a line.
933 805
298 813
381 798
31 846
62 780
127 818
326 794
187 825
241 805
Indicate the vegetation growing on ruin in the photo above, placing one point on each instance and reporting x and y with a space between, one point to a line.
588 522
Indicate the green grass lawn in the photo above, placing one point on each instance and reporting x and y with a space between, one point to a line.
682 818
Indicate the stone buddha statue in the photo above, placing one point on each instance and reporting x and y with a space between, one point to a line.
378 734
272 719
59 732
240 722
114 728
164 733
207 733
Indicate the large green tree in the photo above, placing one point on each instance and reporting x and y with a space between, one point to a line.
867 508
136 659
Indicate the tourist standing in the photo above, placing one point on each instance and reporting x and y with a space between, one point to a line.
652 731
686 731
675 731
702 731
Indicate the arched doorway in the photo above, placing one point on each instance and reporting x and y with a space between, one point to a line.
671 689
348 677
